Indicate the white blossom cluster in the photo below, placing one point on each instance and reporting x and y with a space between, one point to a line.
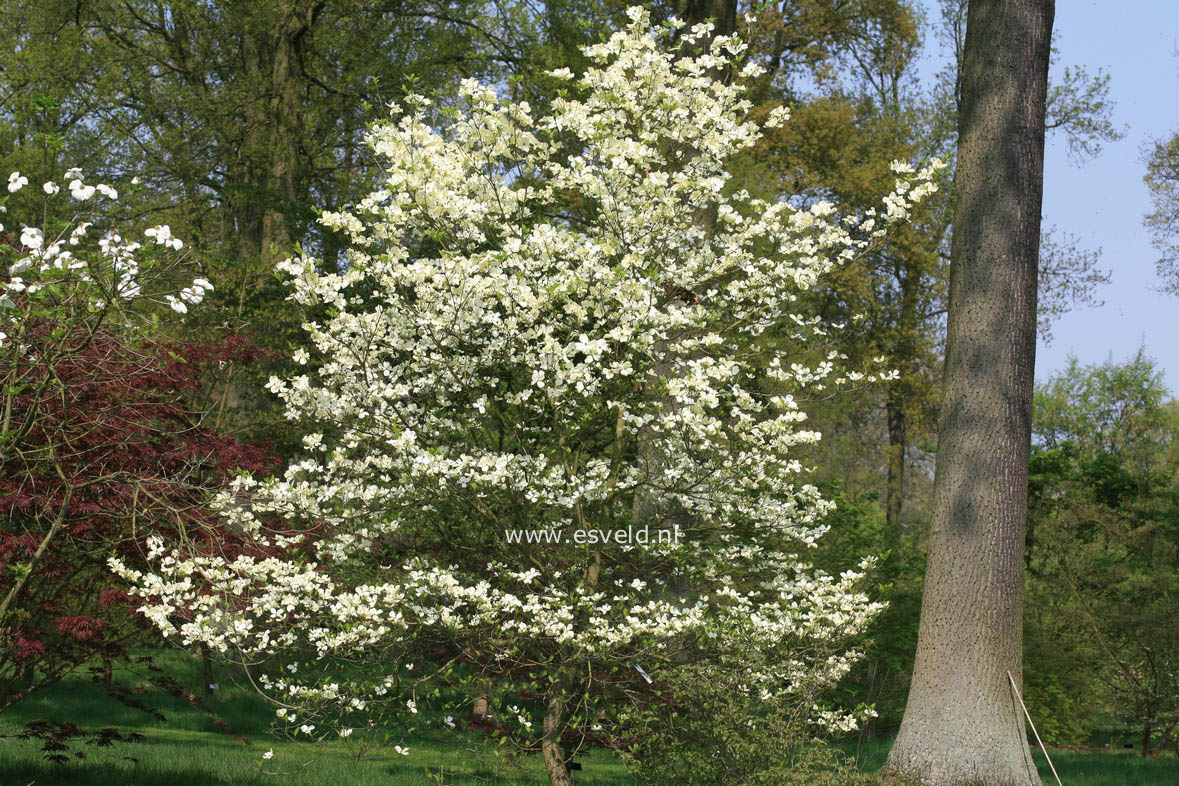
546 321
72 266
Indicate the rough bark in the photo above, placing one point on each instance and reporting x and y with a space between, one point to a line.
550 743
962 724
245 197
286 127
271 174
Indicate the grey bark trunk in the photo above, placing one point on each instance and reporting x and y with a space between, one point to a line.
962 724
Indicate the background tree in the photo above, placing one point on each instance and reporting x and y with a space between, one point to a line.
1162 177
961 723
1103 550
863 109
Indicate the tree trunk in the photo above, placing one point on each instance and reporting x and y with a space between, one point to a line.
247 199
286 130
905 351
550 743
895 492
268 176
722 13
962 723
207 669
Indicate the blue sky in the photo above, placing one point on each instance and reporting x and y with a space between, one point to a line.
1102 202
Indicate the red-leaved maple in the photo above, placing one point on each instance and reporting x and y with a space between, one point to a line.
101 445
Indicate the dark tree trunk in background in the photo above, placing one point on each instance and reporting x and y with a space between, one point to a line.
285 177
963 724
207 669
722 13
895 492
905 352
272 176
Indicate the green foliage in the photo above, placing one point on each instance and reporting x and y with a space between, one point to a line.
1103 557
881 678
1110 408
718 733
1162 177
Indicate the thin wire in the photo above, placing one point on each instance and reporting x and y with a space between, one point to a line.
1031 723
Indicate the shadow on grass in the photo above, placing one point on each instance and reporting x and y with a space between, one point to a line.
92 773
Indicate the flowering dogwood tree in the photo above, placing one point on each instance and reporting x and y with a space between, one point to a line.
562 463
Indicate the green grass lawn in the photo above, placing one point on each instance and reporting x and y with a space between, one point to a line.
188 750
1121 768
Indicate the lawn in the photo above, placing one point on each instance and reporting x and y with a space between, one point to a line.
1096 768
189 750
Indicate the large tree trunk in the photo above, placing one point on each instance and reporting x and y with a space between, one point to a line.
268 179
962 724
